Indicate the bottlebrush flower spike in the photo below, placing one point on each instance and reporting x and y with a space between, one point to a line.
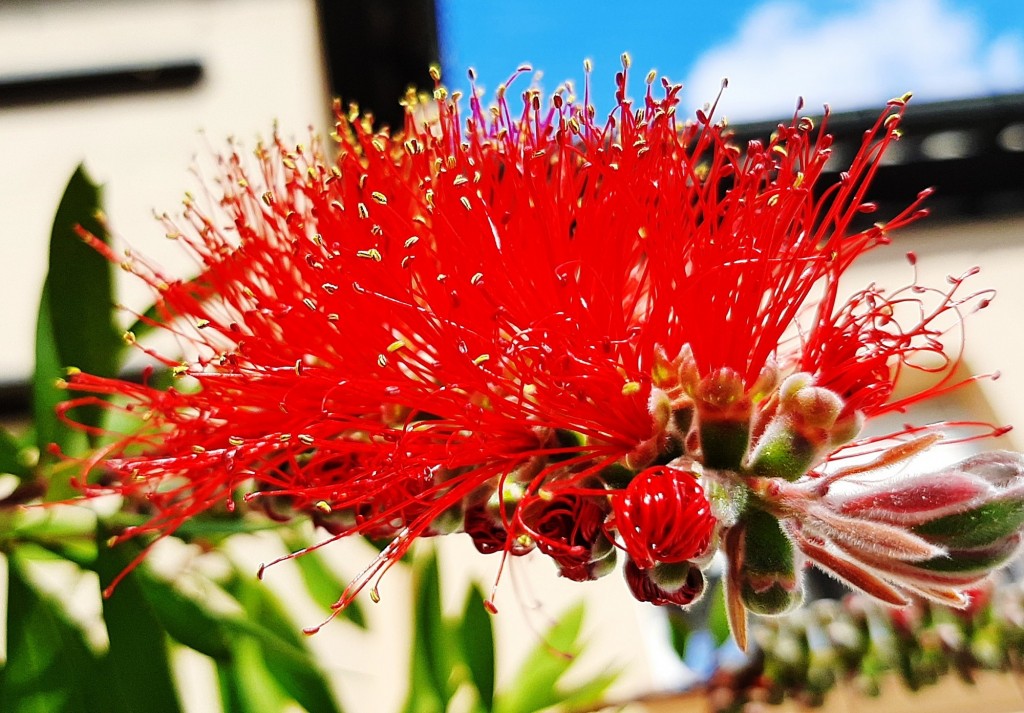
586 337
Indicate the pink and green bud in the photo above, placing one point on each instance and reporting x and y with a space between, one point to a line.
976 503
802 431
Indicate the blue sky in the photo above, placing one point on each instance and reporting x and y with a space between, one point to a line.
850 53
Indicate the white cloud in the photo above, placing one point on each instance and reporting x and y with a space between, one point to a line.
854 59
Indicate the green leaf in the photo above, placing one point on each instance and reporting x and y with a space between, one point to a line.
679 630
431 685
207 526
283 649
586 695
50 667
186 620
46 395
138 644
79 283
718 617
535 685
323 585
75 326
245 681
230 696
477 645
11 459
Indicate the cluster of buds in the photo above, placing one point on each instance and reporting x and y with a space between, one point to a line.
857 642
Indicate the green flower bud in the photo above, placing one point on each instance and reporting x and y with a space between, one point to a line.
768 577
723 419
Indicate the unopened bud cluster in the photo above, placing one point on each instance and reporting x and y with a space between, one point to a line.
857 643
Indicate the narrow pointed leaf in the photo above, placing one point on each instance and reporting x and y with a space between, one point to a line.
535 685
433 644
80 284
11 456
718 618
185 619
586 695
284 651
50 667
476 637
138 644
75 325
251 686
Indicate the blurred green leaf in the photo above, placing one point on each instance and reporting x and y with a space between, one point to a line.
138 644
283 649
535 686
75 326
11 460
209 527
718 618
586 695
433 650
79 283
50 667
476 636
679 631
247 683
45 397
323 585
227 681
186 620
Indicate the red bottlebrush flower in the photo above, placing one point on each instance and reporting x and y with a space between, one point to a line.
536 327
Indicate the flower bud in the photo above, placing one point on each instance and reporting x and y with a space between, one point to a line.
723 419
566 527
804 427
767 574
976 503
685 587
663 516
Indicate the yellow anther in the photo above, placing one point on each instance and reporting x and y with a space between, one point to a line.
371 254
